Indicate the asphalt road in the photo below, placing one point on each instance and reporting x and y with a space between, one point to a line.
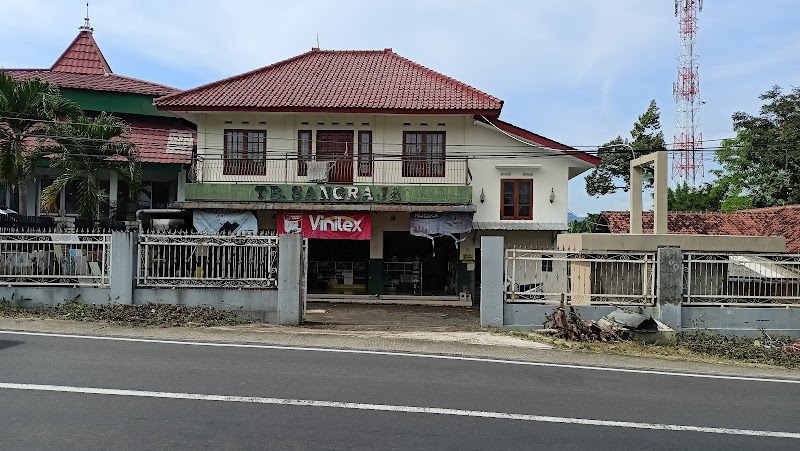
78 393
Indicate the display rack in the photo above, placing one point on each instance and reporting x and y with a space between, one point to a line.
402 277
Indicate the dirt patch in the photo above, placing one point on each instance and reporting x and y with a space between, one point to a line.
323 315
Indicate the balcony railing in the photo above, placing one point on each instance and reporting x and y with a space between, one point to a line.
346 171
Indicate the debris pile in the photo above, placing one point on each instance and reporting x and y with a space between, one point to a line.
621 324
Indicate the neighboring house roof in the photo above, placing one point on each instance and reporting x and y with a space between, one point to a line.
337 81
772 221
94 82
83 66
161 143
82 56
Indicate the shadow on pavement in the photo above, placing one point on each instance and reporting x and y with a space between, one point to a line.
328 315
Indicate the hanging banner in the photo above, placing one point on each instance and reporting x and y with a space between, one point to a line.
329 226
440 223
223 221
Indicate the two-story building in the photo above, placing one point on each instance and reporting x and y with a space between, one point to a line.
164 142
393 171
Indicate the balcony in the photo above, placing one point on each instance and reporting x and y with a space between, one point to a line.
339 171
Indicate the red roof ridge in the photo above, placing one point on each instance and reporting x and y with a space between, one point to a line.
232 78
74 57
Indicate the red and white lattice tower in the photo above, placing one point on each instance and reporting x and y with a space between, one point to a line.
687 153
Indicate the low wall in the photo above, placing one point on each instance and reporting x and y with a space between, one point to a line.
260 304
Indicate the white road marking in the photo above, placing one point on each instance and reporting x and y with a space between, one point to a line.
407 354
395 408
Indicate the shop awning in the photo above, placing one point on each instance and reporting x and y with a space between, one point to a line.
306 206
518 225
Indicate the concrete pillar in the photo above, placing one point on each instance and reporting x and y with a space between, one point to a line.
123 266
113 190
660 194
290 249
669 286
492 281
181 194
636 200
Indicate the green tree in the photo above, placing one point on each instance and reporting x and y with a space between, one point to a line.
586 225
81 149
613 172
707 197
761 165
25 108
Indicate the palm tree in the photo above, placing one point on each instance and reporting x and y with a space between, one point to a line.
81 149
25 108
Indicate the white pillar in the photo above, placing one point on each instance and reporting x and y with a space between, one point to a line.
660 194
113 190
636 200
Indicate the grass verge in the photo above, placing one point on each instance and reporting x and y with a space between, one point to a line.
158 315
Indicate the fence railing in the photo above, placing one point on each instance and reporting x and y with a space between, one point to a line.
741 278
543 276
174 260
47 259
289 170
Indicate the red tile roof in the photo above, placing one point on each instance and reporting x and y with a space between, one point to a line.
773 221
93 82
160 143
338 81
83 66
83 56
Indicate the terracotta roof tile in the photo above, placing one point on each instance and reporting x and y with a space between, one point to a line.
94 82
161 143
340 80
83 66
773 221
82 56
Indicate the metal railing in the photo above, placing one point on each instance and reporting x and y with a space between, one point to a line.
47 259
741 278
343 171
543 276
175 260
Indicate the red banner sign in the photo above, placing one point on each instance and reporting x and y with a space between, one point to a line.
329 226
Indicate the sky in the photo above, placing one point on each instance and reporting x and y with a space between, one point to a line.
576 71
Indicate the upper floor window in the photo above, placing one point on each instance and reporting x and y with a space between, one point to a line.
245 152
423 154
364 154
517 199
303 151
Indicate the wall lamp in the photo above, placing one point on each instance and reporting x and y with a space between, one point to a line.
552 196
483 196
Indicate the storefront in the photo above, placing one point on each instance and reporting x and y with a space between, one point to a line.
376 240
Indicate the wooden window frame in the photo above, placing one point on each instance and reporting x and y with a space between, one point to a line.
422 168
302 162
257 167
517 205
370 167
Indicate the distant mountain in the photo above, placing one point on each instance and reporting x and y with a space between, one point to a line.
573 217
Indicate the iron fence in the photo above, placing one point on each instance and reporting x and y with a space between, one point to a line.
544 276
741 278
177 260
47 259
344 170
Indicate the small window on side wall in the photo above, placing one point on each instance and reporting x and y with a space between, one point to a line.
517 199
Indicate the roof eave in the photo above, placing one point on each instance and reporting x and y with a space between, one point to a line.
326 110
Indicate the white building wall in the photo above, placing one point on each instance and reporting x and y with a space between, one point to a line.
493 155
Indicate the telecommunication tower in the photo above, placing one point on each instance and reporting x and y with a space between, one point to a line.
687 153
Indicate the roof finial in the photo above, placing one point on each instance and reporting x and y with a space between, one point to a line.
86 26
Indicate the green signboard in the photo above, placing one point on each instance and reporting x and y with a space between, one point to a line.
330 194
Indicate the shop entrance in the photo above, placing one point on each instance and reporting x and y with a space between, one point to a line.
337 266
415 266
